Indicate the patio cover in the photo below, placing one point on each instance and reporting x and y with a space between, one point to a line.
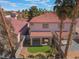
41 34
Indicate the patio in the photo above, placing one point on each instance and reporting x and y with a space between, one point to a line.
40 38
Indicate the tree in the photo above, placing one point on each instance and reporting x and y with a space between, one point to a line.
33 11
7 30
30 15
72 9
25 13
18 11
61 13
23 10
1 48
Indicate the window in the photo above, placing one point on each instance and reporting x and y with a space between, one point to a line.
45 25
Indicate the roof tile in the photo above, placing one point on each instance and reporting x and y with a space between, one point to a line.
48 17
18 25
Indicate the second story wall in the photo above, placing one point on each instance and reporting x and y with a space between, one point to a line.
48 27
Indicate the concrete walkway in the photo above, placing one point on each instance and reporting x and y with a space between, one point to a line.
22 51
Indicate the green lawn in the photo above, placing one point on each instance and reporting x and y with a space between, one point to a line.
38 49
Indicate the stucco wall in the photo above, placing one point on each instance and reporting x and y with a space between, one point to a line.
52 27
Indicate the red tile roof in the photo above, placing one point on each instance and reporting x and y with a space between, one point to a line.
41 34
18 25
48 17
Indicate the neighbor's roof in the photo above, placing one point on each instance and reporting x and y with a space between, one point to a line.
18 25
48 17
41 34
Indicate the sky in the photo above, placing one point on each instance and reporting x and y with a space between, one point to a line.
26 4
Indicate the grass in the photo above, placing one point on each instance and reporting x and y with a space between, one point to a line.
38 49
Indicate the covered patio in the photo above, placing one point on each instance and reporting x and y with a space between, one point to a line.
40 38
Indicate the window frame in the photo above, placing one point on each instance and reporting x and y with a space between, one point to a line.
45 25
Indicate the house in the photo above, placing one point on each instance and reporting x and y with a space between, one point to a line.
42 31
14 14
20 28
43 26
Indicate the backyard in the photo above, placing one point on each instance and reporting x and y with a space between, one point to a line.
38 49
43 49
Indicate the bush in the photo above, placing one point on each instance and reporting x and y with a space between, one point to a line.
40 56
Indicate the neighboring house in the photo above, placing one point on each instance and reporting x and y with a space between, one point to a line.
14 14
43 26
20 28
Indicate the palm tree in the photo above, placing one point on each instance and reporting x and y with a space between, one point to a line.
70 8
61 13
72 15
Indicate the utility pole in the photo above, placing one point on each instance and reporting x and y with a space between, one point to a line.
7 29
